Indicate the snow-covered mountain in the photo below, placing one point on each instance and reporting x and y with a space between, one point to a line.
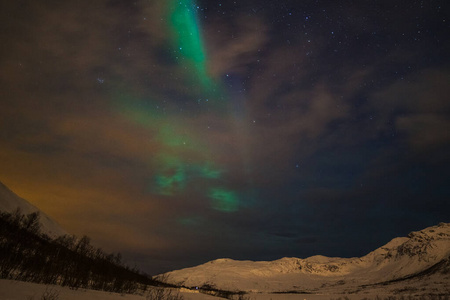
423 255
9 202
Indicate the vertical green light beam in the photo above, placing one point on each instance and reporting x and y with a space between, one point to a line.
188 40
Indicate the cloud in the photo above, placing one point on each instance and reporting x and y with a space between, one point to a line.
417 106
233 46
288 130
425 131
424 91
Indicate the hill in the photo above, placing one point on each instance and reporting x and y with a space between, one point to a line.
10 202
419 262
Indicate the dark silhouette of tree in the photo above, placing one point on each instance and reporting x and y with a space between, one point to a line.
28 255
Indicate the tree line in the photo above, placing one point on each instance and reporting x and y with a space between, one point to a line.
27 254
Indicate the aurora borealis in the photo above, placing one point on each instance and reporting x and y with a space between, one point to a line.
188 42
177 132
175 172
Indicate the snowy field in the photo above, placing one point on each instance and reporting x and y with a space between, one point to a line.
17 290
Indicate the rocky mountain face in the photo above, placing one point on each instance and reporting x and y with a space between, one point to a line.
423 255
9 202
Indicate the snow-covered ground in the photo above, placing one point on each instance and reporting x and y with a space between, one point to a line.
17 290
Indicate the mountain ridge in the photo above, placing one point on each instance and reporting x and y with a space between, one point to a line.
421 253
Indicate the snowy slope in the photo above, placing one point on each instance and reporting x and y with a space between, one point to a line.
9 202
398 261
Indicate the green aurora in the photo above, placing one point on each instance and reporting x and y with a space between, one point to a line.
224 200
189 45
182 158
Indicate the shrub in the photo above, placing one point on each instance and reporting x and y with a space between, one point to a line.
49 294
159 293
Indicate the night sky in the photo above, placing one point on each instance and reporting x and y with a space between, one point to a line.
178 132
